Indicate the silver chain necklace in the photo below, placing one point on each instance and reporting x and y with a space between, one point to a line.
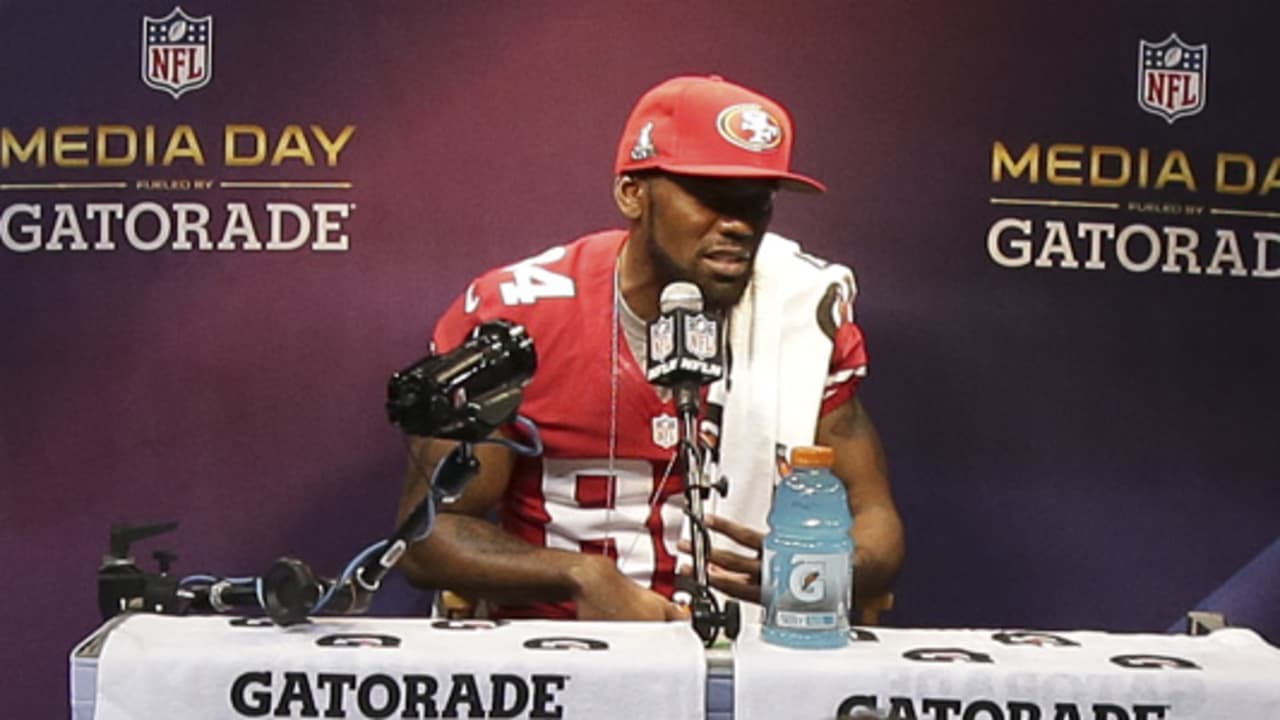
614 379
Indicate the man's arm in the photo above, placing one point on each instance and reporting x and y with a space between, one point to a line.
467 553
878 537
877 529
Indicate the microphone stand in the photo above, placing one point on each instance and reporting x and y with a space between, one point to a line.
455 472
708 618
291 591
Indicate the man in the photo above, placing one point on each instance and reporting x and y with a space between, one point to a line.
592 528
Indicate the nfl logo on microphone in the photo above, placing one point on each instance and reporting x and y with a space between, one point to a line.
662 340
177 52
1172 77
700 336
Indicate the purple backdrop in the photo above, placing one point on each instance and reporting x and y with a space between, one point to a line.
1071 447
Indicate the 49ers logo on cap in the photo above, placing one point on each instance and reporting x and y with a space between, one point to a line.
750 126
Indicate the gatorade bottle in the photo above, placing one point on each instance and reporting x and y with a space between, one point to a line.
807 578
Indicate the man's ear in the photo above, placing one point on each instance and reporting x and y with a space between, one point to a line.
627 192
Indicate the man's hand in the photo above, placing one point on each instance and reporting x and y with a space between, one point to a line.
729 572
603 593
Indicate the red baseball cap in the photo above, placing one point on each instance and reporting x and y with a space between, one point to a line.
706 125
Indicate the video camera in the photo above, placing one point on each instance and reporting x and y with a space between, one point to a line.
469 392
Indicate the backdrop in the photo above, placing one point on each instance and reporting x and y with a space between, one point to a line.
221 231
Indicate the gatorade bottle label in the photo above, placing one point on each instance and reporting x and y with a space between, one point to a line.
810 591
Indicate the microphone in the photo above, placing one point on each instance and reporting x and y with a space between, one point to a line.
686 352
685 344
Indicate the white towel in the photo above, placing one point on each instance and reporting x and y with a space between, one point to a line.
780 359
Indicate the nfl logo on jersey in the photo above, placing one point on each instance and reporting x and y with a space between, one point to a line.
177 52
666 432
1172 77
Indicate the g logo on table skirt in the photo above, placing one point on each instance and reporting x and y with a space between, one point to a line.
860 635
358 640
1154 662
946 655
467 624
255 622
565 643
1029 637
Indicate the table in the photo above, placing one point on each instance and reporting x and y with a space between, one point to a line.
142 666
153 666
1231 674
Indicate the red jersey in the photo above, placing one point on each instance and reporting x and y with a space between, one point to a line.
591 402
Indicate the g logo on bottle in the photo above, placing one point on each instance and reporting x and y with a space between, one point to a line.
807 582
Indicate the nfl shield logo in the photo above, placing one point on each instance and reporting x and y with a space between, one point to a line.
1172 77
662 340
700 336
177 52
665 431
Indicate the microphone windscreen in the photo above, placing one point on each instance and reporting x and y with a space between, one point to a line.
681 296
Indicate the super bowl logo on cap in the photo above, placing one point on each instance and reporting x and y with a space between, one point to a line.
750 126
177 52
644 148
